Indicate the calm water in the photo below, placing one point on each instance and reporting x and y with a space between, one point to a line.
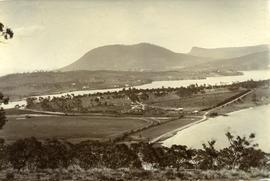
247 75
254 120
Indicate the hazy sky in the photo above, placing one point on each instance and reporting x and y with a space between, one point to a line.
53 33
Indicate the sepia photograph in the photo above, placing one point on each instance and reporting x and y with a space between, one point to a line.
134 90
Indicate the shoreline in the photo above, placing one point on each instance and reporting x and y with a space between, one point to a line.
172 133
205 117
58 93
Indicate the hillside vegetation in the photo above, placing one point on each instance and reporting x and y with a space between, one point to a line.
22 85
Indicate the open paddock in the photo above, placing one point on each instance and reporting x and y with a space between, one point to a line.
196 102
156 131
71 128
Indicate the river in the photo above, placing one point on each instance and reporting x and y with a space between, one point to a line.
253 120
247 75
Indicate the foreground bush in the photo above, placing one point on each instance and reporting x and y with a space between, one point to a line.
33 155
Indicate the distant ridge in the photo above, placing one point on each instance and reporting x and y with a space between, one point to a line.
150 57
254 61
227 52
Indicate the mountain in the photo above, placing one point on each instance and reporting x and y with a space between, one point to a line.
149 57
138 57
254 61
227 53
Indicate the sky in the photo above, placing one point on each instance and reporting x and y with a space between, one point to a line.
50 34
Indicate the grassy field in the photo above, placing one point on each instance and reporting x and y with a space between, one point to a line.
123 102
17 112
156 131
67 127
195 102
260 96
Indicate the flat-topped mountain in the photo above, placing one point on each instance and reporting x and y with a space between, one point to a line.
228 52
138 57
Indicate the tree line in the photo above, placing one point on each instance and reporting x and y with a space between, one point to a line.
32 154
3 119
72 103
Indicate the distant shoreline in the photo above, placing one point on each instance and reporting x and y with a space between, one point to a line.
141 79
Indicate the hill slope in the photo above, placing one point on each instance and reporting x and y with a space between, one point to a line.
138 57
226 53
254 61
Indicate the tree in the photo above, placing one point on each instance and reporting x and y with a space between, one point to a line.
254 98
179 156
3 154
209 155
25 153
242 153
3 118
7 33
